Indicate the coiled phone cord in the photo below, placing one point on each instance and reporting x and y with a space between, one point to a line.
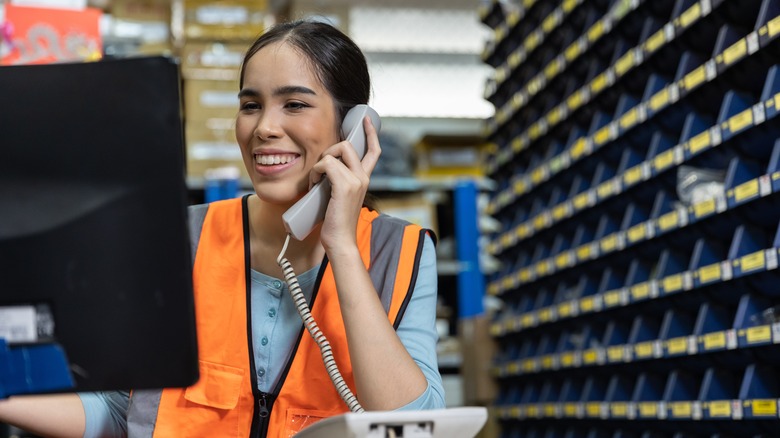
308 320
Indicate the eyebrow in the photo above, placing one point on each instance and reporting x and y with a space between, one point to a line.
281 91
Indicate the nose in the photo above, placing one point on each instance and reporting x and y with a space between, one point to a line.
268 127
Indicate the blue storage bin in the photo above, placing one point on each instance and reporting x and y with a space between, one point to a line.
647 393
618 395
594 393
629 122
759 389
706 261
631 171
639 230
571 392
698 35
758 140
753 324
640 284
696 127
735 67
742 186
528 348
712 322
735 115
591 335
748 251
530 392
615 340
676 332
681 389
692 81
612 278
719 388
671 271
769 9
644 337
661 111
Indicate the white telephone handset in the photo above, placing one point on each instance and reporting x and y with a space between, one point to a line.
309 211
299 220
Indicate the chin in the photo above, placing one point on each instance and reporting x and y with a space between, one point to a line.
277 196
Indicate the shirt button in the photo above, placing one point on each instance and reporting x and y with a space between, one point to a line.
277 284
261 372
264 341
272 313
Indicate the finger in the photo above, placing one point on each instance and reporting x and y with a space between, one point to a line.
373 149
336 171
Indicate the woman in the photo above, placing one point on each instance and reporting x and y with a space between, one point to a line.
370 279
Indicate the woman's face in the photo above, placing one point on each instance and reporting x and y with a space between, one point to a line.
285 121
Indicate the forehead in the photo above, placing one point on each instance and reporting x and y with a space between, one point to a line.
280 62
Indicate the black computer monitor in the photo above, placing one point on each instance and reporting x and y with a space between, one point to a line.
93 221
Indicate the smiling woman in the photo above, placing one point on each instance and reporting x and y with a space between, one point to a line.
369 279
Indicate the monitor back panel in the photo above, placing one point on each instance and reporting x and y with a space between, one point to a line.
93 222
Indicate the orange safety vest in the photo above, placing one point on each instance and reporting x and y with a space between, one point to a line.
225 402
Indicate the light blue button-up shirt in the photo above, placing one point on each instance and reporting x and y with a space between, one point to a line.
275 327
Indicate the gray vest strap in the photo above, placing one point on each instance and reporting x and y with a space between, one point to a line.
142 413
386 239
197 214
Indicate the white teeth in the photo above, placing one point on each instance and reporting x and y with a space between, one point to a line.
270 160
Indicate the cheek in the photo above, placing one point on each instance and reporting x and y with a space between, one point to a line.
243 131
318 139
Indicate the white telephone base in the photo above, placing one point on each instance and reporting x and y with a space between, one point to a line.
463 422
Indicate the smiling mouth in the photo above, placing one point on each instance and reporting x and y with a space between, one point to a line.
274 159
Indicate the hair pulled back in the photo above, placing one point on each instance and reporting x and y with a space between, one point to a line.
334 58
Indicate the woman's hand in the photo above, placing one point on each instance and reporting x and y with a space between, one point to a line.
349 178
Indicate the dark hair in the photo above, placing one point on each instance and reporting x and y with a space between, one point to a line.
336 60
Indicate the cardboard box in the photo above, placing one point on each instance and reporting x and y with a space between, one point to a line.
441 155
141 10
226 20
212 61
211 148
206 99
414 208
479 386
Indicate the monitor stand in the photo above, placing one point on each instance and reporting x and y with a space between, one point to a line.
462 422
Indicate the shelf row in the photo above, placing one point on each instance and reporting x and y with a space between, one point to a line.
717 393
741 128
649 338
659 99
503 30
653 36
563 45
634 228
525 92
629 59
535 39
608 289
658 103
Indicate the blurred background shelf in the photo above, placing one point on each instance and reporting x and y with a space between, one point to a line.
635 164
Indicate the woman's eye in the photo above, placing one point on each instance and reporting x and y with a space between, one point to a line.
248 106
296 105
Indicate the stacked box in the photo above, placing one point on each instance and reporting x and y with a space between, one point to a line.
229 20
210 72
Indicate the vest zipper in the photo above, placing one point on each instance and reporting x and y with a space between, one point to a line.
262 406
262 415
263 401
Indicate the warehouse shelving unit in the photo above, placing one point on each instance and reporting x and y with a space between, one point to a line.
631 310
